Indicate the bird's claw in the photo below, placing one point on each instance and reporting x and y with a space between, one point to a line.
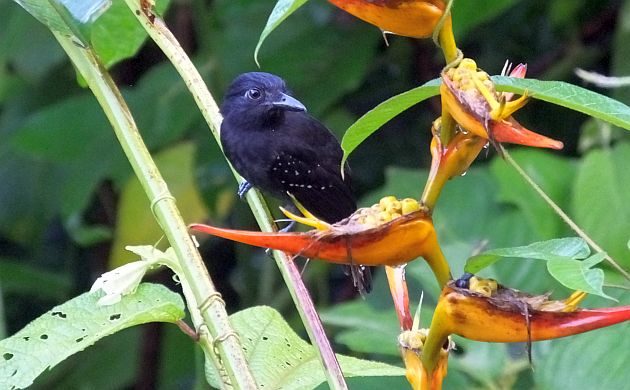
289 227
243 188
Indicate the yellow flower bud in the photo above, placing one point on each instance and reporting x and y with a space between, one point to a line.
409 205
486 287
387 200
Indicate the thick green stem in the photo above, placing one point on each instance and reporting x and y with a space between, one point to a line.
163 206
209 109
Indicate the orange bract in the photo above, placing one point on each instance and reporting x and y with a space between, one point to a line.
470 98
410 18
393 243
502 316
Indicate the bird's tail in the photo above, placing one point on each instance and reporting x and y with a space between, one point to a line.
361 277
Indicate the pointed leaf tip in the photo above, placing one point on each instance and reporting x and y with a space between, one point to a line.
280 12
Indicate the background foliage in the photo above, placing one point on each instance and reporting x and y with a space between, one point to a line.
68 201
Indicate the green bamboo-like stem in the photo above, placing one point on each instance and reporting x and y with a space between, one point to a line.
215 318
162 36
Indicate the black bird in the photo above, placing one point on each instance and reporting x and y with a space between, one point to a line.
279 148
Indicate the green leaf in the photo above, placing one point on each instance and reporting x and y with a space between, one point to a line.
280 12
71 141
621 51
365 327
577 275
601 195
556 92
117 34
52 14
111 365
561 256
135 221
73 130
557 249
383 113
75 325
569 96
280 359
28 46
20 277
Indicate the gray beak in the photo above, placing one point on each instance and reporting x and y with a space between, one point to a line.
288 103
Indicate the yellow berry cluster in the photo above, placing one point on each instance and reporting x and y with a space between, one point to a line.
387 209
486 287
462 76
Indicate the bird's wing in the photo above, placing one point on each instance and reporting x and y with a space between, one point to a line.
317 187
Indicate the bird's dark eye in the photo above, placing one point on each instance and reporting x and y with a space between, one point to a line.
254 94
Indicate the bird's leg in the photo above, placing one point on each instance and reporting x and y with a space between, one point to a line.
243 188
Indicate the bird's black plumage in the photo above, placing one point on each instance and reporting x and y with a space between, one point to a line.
279 148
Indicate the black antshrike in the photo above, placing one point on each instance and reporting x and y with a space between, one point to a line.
278 148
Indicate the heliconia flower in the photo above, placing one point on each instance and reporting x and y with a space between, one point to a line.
469 96
374 236
410 18
411 344
499 314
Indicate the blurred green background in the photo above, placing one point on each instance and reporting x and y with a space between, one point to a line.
69 202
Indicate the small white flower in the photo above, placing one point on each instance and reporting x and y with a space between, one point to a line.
120 281
125 279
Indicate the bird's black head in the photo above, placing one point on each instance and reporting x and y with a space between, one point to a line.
259 93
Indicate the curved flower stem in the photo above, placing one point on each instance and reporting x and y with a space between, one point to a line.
445 39
163 206
162 36
560 212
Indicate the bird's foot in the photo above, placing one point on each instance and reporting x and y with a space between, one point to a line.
309 221
289 226
243 188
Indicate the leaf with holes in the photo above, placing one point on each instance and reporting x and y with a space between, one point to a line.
281 11
280 359
75 325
